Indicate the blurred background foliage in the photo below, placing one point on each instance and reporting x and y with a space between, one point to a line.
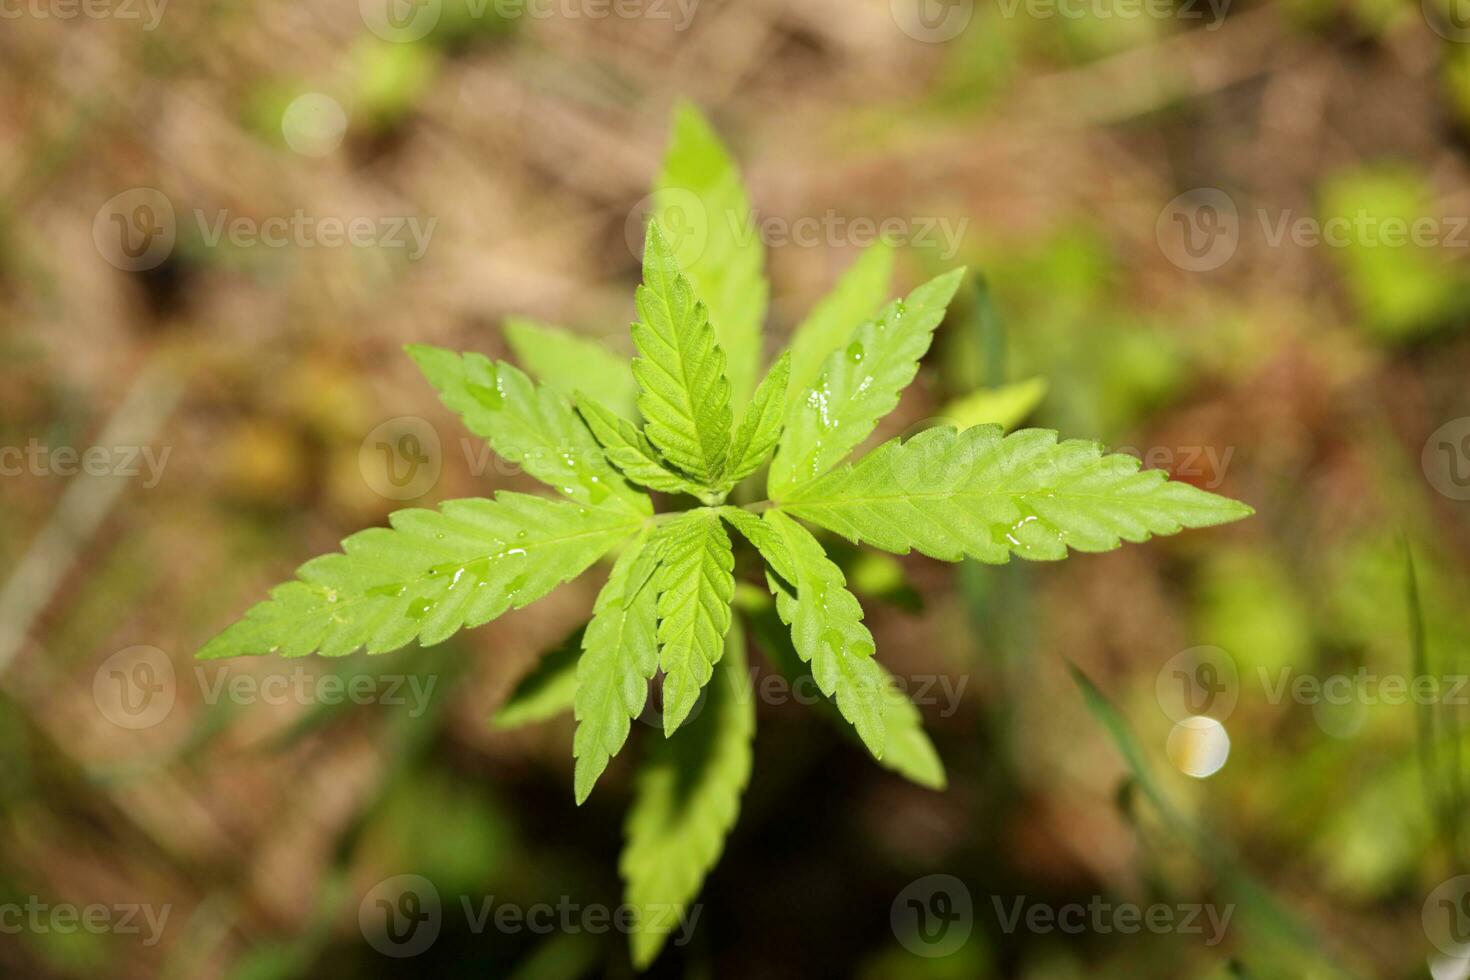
1305 379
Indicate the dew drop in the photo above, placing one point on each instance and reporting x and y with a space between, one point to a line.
855 352
490 395
418 608
819 597
392 590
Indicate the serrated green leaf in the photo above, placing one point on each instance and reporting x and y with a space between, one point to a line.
570 362
620 656
699 197
649 557
1006 406
694 583
630 451
686 801
858 385
949 494
827 630
433 573
546 691
855 299
530 425
766 539
907 749
683 392
761 426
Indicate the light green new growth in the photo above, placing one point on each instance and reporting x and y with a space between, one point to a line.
859 384
857 297
667 604
828 632
630 451
433 573
949 494
699 199
683 392
1006 406
685 803
694 582
618 659
532 425
567 362
761 426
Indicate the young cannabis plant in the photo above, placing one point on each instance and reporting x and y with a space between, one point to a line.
596 433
